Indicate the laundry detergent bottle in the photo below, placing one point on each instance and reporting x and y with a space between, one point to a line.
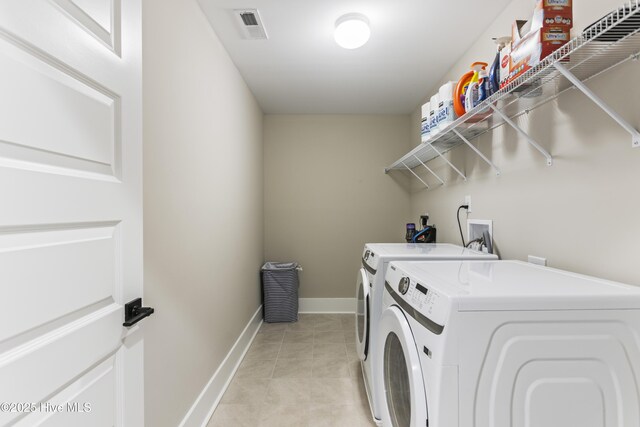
494 74
483 87
460 93
472 92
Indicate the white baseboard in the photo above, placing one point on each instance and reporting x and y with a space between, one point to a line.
327 305
207 401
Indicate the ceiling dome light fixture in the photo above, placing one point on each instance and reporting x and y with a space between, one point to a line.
352 30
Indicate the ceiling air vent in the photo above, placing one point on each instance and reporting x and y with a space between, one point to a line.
251 24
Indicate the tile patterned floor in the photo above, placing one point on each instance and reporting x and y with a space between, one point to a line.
303 374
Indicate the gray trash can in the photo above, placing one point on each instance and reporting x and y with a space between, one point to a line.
280 292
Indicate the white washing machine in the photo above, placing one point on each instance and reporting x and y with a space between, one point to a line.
507 344
370 285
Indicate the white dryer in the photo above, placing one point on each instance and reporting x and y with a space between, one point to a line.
507 344
370 285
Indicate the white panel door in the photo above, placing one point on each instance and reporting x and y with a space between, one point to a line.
70 212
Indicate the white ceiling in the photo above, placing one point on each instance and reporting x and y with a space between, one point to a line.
301 70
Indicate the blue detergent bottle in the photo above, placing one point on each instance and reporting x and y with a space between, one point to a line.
483 87
494 74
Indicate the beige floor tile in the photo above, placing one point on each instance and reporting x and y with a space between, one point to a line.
360 391
349 323
331 368
256 368
329 351
299 374
272 327
303 324
365 417
301 337
284 416
293 368
271 337
246 391
296 351
334 416
321 317
264 350
289 391
328 325
334 391
352 351
328 337
355 368
227 415
349 335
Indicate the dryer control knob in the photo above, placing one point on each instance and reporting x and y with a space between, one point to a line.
403 286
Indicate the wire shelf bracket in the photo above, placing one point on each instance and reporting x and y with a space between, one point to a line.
635 135
448 162
478 152
416 175
429 169
518 129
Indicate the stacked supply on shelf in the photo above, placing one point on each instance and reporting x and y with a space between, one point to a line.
425 130
433 114
530 42
446 113
438 113
548 30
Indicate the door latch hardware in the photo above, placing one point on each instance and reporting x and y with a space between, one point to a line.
135 312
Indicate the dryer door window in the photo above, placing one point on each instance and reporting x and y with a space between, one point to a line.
396 379
362 314
400 372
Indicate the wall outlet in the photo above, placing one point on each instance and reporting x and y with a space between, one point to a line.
467 201
538 260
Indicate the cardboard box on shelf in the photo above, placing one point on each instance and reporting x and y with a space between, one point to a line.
534 47
533 40
505 62
554 12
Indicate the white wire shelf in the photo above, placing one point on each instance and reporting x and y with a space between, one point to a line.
612 41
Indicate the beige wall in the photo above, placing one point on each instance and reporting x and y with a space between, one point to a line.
582 212
326 194
203 201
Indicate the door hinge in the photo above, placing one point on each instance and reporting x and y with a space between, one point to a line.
135 312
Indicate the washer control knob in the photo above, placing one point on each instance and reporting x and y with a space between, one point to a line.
403 286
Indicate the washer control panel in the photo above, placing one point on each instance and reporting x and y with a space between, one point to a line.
421 298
